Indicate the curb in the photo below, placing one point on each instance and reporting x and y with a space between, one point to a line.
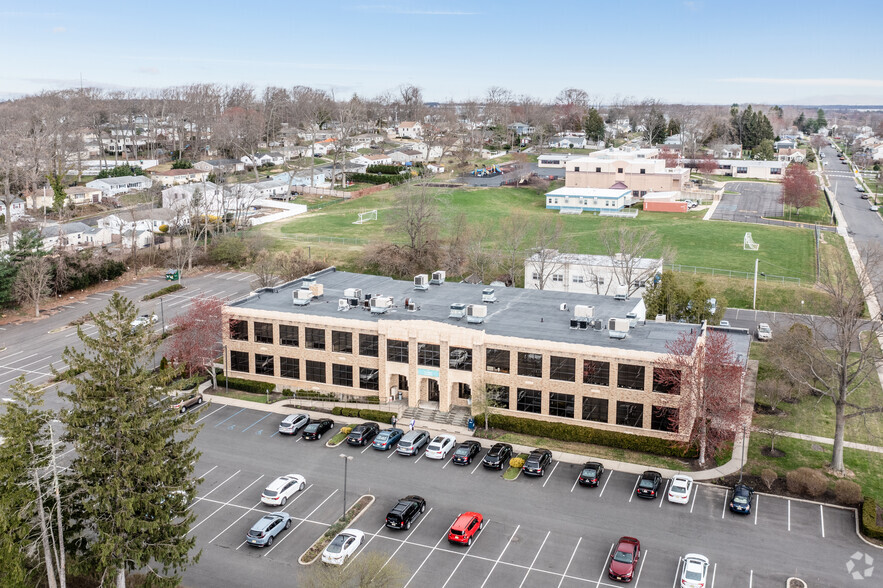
301 561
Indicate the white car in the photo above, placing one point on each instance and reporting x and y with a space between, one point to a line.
680 489
342 546
293 423
440 446
725 323
283 488
764 332
695 571
144 320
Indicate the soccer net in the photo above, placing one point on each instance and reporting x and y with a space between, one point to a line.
365 217
749 244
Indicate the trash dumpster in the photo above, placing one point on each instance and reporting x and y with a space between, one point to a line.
172 274
471 424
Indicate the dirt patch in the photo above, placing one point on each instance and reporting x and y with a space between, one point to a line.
765 409
772 452
779 488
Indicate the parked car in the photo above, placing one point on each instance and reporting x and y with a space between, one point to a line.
186 401
412 442
874 208
724 323
283 488
624 559
743 496
591 473
695 572
536 462
292 423
342 546
362 434
466 451
440 446
387 438
405 512
144 320
498 457
268 526
465 527
648 485
857 187
316 429
764 332
680 489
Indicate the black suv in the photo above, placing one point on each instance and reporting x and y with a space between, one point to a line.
536 462
316 428
498 457
648 485
362 434
405 512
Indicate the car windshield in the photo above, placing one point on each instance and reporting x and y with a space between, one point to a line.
336 546
624 557
679 489
270 493
646 483
740 500
692 575
462 451
589 472
312 428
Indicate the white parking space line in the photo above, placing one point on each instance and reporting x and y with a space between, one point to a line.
789 516
606 565
664 493
677 572
555 467
536 555
211 413
254 508
229 417
291 532
713 574
17 360
367 447
756 502
641 568
391 452
822 515
448 461
570 561
724 511
502 553
419 458
632 495
199 498
609 475
425 559
693 503
216 511
256 422
245 277
465 554
574 484
751 579
208 472
402 544
13 354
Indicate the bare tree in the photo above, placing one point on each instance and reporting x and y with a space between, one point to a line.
417 215
265 267
546 260
32 282
629 250
513 241
370 570
481 261
312 110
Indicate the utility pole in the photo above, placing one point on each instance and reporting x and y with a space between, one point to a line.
754 301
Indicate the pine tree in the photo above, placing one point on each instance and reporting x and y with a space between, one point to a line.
134 458
821 121
594 126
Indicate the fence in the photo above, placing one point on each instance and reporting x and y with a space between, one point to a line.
326 239
692 269
339 193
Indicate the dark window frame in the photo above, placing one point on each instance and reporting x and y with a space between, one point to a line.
562 405
529 400
530 364
264 365
286 338
314 338
466 365
596 373
664 418
662 383
397 351
236 361
495 395
429 354
629 375
369 343
342 375
464 390
263 332
562 369
238 329
289 367
341 341
315 371
494 360
370 383
630 414
595 407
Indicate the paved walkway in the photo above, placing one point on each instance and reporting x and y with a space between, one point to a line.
825 440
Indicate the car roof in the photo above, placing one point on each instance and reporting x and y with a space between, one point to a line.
627 540
592 464
294 417
265 520
280 481
465 517
681 477
696 557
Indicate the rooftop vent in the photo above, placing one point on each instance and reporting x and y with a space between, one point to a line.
343 304
421 282
458 310
438 278
487 295
475 313
583 311
620 297
618 328
307 281
574 324
381 304
563 306
317 290
410 305
301 297
353 293
596 324
660 318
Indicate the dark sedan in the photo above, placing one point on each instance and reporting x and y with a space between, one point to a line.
316 429
465 452
591 473
624 559
743 496
648 485
387 438
362 434
498 457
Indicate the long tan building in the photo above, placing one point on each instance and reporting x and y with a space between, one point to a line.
560 356
637 174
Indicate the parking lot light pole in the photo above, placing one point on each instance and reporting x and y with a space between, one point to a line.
346 459
162 315
742 465
226 377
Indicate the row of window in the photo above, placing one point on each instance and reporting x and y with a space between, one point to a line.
314 371
628 414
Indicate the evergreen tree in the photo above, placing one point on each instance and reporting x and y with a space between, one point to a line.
821 121
765 151
594 126
800 121
134 458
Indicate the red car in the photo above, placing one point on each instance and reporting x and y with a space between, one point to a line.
624 559
465 528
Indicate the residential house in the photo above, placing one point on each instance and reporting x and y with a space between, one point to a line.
259 159
731 151
789 155
208 198
568 142
409 130
15 210
520 128
435 168
121 185
754 169
569 199
82 195
220 166
638 174
176 177
140 238
67 236
589 274
785 144
97 237
302 178
142 220
405 156
374 159
272 188
366 140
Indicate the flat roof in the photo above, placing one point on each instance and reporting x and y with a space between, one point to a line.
589 192
522 313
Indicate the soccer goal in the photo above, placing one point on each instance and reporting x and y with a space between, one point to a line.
365 217
748 244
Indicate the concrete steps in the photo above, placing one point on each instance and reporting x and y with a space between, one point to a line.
458 415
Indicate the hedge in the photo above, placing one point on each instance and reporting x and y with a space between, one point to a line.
380 416
869 520
580 434
392 179
384 169
245 385
163 291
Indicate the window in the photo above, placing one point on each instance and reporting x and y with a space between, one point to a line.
341 375
595 409
635 193
397 351
497 396
369 379
497 360
776 171
630 376
562 368
535 275
630 414
576 169
663 418
529 400
263 365
557 277
289 367
314 338
428 354
239 361
561 405
530 364
643 171
403 382
288 335
316 371
263 332
741 170
579 279
464 390
596 373
597 170
666 381
238 330
368 345
460 358
619 170
341 342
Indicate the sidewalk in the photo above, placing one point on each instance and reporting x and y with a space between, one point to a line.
825 440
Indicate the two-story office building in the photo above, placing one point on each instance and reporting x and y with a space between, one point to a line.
559 356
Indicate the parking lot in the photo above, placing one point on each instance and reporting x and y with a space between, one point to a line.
538 531
752 201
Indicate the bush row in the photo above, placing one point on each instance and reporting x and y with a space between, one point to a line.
393 179
245 385
384 169
380 416
869 520
579 434
163 291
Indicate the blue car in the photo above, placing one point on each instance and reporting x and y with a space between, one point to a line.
387 438
743 496
270 525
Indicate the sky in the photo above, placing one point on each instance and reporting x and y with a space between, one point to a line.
693 51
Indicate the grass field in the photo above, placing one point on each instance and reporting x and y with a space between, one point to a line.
819 214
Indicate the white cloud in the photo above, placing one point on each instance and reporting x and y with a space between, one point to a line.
57 30
827 82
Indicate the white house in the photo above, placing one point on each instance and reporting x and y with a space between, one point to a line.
142 220
403 156
120 185
97 237
409 129
755 169
272 188
589 274
587 199
216 166
259 159
520 128
302 178
15 211
785 144
568 142
436 169
141 239
213 199
175 177
66 236
82 195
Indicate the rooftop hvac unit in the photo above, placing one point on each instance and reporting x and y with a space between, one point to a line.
475 313
596 324
307 281
620 297
618 328
660 318
583 311
381 304
563 306
317 289
458 310
583 324
574 324
353 293
410 305
438 278
421 282
343 304
301 297
487 295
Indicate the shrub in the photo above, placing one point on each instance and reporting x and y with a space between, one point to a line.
384 169
346 430
580 434
377 178
345 411
163 291
807 482
516 462
314 395
381 416
847 492
287 393
164 228
869 519
768 477
245 385
231 249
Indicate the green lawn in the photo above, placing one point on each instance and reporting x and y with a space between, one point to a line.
819 214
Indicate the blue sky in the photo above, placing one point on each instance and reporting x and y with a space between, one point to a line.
697 51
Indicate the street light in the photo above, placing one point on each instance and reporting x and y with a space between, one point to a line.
346 460
742 465
162 314
226 377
